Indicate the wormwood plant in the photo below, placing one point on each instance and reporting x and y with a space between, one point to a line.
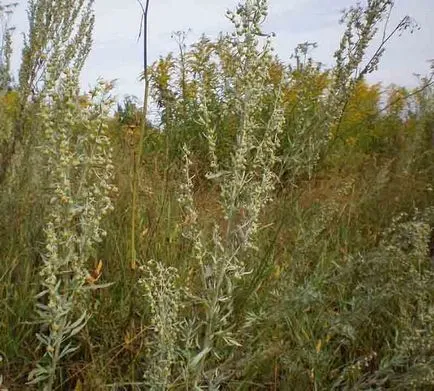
163 293
5 77
396 292
316 120
246 186
59 38
6 30
79 171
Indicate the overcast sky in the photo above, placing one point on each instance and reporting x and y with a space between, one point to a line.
118 55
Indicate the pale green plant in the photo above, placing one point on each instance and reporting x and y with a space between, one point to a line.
6 30
59 38
316 122
245 188
163 294
363 23
398 278
78 158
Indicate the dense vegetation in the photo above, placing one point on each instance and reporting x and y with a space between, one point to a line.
273 228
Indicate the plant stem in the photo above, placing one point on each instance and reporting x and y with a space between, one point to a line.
138 157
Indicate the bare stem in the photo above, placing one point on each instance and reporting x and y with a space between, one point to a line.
138 156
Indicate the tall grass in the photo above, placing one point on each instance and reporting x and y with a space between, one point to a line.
282 219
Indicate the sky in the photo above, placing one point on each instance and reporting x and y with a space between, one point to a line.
117 53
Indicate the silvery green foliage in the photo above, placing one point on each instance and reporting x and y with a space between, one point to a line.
409 238
60 37
6 11
316 122
79 166
248 183
164 297
363 23
246 186
397 279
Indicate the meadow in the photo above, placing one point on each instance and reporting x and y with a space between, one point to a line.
272 228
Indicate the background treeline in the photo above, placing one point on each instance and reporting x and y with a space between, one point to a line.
270 227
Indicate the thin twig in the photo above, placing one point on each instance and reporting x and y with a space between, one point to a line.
138 158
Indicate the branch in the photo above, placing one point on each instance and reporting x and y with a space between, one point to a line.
381 47
429 83
144 22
